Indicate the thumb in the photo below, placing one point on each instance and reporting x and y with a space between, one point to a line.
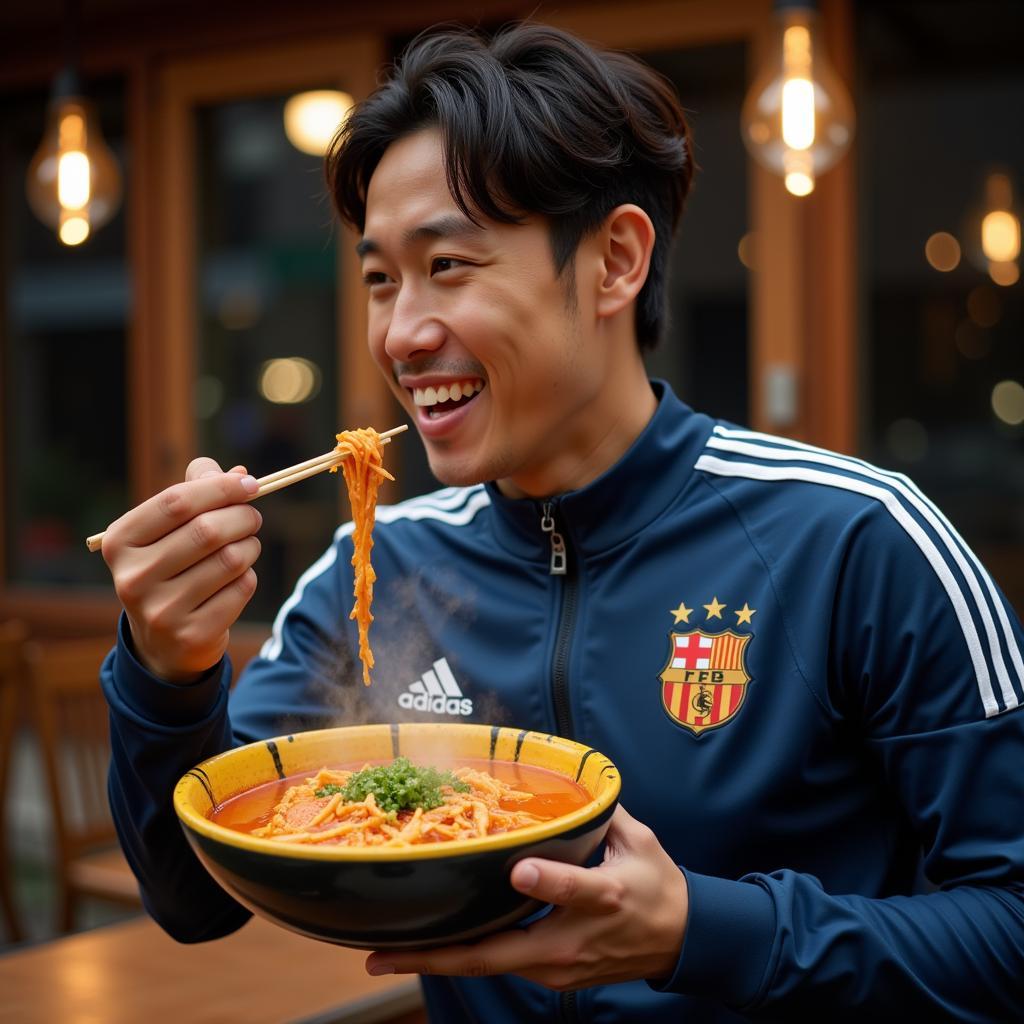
587 889
200 467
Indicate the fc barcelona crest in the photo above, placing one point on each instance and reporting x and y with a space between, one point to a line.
704 682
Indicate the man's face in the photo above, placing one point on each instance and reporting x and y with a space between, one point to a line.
473 329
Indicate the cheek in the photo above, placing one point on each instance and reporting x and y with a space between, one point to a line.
516 337
376 335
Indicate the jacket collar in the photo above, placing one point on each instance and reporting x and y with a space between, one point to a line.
624 499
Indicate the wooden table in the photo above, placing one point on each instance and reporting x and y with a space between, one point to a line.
133 973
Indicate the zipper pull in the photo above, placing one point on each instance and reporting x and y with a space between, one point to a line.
559 564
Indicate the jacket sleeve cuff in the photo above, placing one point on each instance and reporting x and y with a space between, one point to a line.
151 698
729 936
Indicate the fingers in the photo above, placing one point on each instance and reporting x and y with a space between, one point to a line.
589 890
182 567
208 533
500 954
180 503
198 583
621 921
221 610
181 627
624 831
201 467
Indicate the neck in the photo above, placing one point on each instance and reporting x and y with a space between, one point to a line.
594 439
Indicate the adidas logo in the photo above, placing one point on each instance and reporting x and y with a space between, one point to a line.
437 692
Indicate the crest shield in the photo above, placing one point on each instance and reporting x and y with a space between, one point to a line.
704 682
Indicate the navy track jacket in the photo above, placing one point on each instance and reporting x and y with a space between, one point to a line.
810 685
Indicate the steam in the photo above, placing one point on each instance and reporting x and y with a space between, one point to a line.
411 616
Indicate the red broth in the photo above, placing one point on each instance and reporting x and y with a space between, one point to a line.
554 794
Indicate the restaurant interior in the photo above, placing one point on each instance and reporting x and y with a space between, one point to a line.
197 295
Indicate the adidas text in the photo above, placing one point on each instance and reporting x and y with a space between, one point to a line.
436 705
437 692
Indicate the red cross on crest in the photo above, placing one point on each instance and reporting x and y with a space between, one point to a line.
704 683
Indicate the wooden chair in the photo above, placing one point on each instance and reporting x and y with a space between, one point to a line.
12 643
71 719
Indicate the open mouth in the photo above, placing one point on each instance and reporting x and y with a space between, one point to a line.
446 398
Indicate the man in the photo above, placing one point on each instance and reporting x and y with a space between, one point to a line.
809 684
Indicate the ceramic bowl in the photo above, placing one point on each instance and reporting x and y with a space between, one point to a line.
390 898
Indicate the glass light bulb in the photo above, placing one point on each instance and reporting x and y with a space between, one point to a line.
992 228
798 117
1000 228
311 119
73 176
73 230
73 182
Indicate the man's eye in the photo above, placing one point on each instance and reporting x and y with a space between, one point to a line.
372 277
439 264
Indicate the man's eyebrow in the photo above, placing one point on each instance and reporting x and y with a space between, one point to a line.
450 225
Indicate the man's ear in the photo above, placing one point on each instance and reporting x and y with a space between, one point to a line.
627 240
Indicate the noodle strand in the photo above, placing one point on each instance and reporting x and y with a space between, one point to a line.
363 472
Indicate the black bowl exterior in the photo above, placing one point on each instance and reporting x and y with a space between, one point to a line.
413 904
429 895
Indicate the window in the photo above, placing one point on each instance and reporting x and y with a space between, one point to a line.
266 386
942 89
64 313
704 351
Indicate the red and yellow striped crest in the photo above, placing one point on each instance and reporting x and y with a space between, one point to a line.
705 680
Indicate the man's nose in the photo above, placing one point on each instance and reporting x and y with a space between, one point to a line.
413 328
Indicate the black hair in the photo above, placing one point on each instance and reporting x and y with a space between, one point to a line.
533 121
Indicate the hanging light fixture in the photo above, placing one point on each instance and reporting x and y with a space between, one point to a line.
798 117
311 119
73 182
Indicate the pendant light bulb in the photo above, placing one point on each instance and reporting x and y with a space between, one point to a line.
73 182
992 228
312 119
798 117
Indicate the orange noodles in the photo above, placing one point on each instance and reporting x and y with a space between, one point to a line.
303 817
363 472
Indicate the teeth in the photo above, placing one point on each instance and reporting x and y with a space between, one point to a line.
447 392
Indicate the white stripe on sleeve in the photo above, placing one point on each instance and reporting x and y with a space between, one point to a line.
806 453
753 471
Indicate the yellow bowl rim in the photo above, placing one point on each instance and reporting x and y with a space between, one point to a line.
204 826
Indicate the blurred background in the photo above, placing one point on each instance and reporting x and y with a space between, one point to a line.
857 290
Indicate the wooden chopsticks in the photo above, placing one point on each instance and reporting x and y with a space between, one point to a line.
288 476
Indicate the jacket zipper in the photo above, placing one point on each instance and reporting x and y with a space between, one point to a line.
568 1008
560 566
559 558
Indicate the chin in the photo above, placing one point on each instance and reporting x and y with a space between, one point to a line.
457 476
456 472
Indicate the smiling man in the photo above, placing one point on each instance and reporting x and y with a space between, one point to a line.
551 387
809 684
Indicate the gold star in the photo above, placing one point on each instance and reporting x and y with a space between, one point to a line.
714 609
744 614
682 613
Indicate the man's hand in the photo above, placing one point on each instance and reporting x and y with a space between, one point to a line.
620 921
182 567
